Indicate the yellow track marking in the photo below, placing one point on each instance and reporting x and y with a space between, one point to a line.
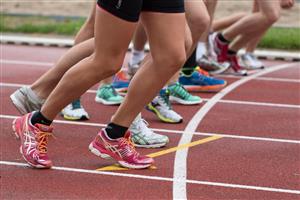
163 152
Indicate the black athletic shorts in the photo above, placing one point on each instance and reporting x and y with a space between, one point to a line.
130 10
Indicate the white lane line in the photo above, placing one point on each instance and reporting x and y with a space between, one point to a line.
16 85
263 78
158 178
48 64
281 140
23 62
180 163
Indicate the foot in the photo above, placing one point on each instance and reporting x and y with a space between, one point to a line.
107 95
34 140
25 100
213 67
121 150
250 62
180 95
235 67
161 106
198 82
143 136
75 111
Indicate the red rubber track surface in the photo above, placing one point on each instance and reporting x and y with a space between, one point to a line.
267 163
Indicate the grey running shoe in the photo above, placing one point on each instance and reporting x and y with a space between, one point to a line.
132 69
25 100
250 62
212 66
143 136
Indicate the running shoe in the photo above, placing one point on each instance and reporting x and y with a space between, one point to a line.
250 62
25 100
198 82
132 69
34 140
161 106
121 82
143 136
180 95
212 66
235 67
220 48
107 95
121 150
75 111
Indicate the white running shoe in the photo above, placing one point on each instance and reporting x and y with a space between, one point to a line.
143 136
161 106
250 62
74 111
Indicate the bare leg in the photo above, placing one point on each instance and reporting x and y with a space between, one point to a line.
158 70
95 67
225 22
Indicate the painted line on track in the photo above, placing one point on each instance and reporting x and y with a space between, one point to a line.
263 78
180 163
158 178
253 103
266 139
167 151
48 64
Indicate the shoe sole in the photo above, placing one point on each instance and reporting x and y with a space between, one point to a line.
15 134
104 102
122 163
163 119
215 88
31 164
183 102
70 118
98 153
150 146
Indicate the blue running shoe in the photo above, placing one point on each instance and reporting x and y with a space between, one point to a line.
198 82
120 82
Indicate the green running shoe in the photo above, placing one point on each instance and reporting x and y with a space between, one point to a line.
180 95
107 95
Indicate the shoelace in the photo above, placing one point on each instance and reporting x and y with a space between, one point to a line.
76 104
127 142
42 138
182 91
109 89
143 125
164 101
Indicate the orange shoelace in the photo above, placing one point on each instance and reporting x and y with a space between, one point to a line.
42 138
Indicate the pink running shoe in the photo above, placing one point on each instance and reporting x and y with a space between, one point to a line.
34 140
122 150
236 67
221 49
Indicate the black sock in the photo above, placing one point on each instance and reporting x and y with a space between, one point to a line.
115 131
38 118
222 39
231 52
190 64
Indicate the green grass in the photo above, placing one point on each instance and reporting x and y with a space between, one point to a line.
281 38
276 38
42 25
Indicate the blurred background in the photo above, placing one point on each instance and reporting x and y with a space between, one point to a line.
64 18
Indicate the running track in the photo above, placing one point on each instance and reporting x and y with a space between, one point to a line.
247 142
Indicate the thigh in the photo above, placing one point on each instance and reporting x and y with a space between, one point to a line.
269 6
166 32
112 33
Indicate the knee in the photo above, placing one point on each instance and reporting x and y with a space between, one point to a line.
105 66
272 16
173 60
198 24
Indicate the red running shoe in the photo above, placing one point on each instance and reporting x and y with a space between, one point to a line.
34 140
235 66
220 49
121 150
